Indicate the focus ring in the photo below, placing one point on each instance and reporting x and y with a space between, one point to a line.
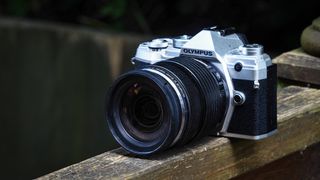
193 99
209 85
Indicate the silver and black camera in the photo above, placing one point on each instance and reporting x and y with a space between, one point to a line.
184 88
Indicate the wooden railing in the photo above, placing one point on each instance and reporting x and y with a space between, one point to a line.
222 158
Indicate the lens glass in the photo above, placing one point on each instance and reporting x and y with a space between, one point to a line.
142 110
141 104
147 113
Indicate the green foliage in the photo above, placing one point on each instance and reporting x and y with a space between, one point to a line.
22 7
117 10
17 7
114 9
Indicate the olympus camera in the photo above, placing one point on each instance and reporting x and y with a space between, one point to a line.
184 88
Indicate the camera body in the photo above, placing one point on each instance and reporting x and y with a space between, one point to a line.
247 73
184 88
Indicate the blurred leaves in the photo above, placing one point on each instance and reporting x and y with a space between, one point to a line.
21 7
17 7
114 9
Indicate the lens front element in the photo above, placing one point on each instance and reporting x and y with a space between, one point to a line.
143 112
147 113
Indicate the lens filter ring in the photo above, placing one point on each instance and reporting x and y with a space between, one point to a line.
142 136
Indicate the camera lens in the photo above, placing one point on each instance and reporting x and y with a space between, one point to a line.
166 104
147 114
143 112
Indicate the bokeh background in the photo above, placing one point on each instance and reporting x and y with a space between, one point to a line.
58 58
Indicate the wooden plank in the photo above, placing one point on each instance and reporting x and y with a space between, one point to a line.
211 157
299 66
302 164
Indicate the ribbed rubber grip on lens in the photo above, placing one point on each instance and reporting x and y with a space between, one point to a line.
209 87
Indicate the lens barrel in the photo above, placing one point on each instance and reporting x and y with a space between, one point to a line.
168 103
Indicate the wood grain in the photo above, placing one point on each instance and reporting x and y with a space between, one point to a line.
302 164
214 158
299 66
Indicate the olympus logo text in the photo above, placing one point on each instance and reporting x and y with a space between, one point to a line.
198 52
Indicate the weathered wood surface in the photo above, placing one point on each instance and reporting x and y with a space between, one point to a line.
218 158
299 66
301 165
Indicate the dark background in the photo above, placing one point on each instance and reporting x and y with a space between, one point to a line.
275 24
